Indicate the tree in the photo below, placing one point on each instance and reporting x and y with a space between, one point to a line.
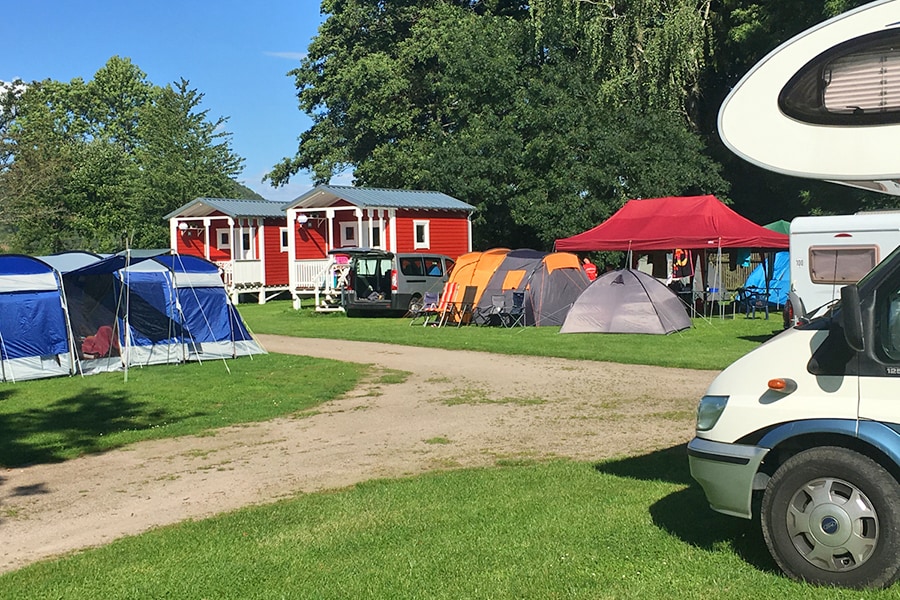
472 100
743 32
649 54
182 155
96 165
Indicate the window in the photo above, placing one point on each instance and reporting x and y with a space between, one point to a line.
376 237
349 234
223 239
247 251
420 233
841 264
890 325
283 231
854 83
433 266
411 266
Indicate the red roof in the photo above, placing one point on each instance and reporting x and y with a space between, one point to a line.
690 222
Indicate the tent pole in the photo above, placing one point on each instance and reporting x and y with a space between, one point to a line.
719 291
3 360
127 309
73 364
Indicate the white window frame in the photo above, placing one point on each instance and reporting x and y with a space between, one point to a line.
247 253
376 231
284 239
345 241
223 239
426 241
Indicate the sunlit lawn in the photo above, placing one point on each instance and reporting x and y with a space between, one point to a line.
632 528
710 344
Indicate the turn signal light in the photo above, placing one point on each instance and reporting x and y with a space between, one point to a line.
782 385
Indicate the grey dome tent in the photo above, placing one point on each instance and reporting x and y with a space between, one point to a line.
626 301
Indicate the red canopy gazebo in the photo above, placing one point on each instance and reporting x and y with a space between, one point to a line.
688 222
691 222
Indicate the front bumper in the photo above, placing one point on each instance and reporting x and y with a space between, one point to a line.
726 473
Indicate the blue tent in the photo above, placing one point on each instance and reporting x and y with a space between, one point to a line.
211 324
34 329
780 279
158 307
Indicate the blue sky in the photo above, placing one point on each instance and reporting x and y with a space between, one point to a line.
236 53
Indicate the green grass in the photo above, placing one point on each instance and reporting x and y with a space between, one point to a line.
52 420
710 344
633 528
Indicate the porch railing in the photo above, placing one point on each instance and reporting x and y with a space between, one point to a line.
312 274
241 273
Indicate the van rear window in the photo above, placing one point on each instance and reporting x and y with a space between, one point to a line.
841 264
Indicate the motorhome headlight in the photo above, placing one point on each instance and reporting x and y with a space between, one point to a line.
709 411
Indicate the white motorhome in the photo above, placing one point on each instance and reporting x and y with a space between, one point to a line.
828 252
805 430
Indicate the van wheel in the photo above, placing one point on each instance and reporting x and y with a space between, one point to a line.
415 304
831 516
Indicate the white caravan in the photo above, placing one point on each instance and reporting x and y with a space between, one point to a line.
805 430
828 252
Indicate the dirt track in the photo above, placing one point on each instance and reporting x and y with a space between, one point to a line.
480 407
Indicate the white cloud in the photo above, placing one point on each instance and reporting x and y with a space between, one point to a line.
297 56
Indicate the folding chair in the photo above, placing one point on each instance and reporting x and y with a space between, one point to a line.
423 309
515 316
752 299
493 314
441 312
462 311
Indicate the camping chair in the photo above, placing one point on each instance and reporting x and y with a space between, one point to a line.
424 308
515 315
493 314
441 312
462 311
751 299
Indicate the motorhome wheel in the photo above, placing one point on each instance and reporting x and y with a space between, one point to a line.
831 516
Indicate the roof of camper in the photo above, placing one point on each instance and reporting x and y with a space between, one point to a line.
233 207
325 195
882 220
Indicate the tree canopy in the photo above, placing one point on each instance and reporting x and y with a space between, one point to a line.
475 100
95 165
546 115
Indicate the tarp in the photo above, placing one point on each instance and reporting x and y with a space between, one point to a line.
780 283
34 330
674 222
626 301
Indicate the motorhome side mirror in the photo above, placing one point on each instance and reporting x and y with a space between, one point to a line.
851 317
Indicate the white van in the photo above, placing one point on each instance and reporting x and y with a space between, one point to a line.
805 430
829 252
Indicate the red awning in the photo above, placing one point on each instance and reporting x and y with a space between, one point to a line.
675 222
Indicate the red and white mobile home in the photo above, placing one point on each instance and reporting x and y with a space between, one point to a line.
248 239
330 217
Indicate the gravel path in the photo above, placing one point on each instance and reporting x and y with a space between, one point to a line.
455 409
